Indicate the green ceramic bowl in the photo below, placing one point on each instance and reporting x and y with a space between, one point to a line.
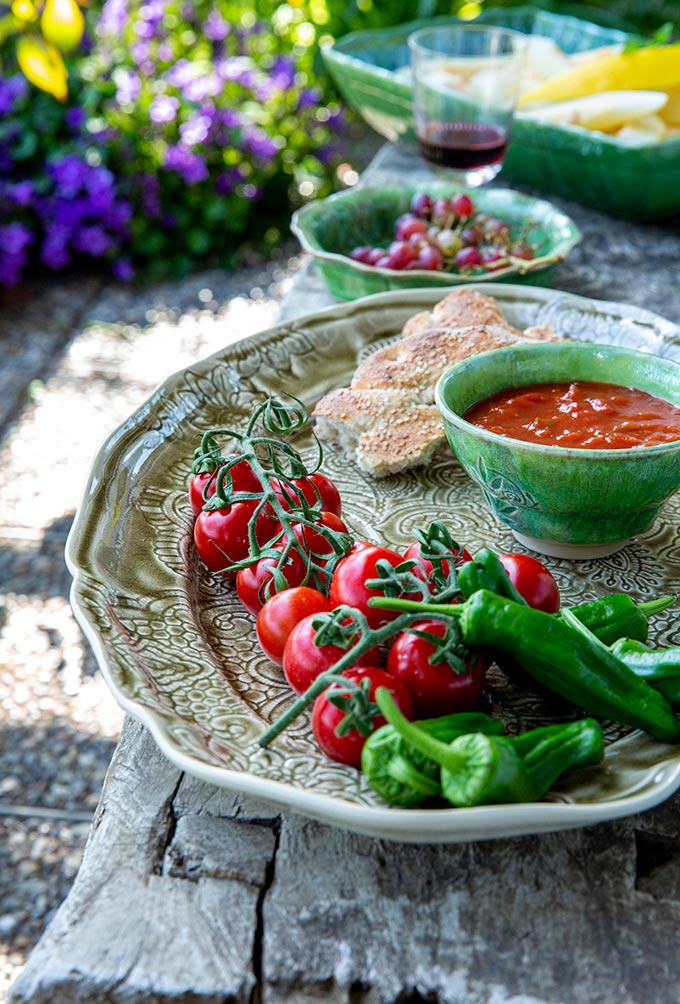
564 502
637 182
330 228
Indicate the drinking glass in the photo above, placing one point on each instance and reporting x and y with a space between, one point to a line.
466 80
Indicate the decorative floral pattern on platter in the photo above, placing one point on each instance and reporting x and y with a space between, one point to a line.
174 642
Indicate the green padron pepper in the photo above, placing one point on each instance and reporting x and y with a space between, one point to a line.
401 774
479 769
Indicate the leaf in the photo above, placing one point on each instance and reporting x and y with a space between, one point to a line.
62 23
43 66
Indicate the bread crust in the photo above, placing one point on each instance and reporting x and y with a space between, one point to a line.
387 419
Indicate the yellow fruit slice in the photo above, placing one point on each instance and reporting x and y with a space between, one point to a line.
671 110
603 112
656 67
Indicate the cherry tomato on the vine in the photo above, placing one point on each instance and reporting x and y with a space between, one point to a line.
303 661
221 535
314 542
243 480
281 613
533 581
255 583
348 584
326 716
413 553
316 488
436 688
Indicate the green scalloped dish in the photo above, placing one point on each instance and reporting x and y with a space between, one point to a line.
330 228
637 182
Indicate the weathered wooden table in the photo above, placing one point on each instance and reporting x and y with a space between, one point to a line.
191 893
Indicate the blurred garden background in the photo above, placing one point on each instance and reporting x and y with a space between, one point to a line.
157 136
151 155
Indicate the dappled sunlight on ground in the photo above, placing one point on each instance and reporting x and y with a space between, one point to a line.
59 722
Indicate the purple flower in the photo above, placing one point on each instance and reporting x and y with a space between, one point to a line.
6 160
69 174
229 118
22 193
150 195
206 86
98 179
196 129
215 27
122 269
163 109
113 18
226 182
259 144
75 118
145 30
181 74
309 98
283 72
13 238
164 52
128 86
153 11
54 251
92 240
140 52
188 165
238 69
12 90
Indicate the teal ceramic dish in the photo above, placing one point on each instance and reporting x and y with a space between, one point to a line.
637 182
564 502
330 228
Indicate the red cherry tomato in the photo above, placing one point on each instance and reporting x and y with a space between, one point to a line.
413 553
221 535
348 584
533 581
242 476
436 689
255 583
281 613
326 717
314 542
303 661
316 489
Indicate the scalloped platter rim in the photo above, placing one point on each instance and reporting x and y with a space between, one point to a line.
178 652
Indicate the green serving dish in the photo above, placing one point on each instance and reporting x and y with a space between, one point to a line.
329 228
641 182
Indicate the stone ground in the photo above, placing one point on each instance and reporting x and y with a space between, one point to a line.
77 356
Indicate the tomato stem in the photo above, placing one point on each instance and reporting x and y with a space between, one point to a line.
369 638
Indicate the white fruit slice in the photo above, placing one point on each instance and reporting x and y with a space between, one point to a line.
605 112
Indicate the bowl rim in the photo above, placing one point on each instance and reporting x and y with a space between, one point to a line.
520 266
571 452
335 52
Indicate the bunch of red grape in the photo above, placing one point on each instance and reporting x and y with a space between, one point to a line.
447 235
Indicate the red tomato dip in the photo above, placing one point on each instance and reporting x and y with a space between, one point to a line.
582 414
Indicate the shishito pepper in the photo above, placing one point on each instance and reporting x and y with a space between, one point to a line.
609 618
404 776
564 657
620 616
660 668
479 769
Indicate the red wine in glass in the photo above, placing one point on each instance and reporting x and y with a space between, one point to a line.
463 146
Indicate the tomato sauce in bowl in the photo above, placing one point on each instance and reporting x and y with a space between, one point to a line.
579 414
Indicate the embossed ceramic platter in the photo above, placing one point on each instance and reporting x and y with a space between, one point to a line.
179 651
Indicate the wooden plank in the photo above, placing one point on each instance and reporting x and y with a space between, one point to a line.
150 917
